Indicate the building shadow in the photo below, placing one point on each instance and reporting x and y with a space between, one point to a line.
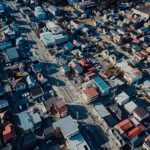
93 135
77 112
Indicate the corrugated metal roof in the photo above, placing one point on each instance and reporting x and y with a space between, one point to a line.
25 121
101 84
101 110
12 53
67 126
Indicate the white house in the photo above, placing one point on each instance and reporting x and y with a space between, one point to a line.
122 98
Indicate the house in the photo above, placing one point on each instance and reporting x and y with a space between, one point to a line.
54 10
100 111
110 121
39 13
122 98
90 95
12 54
77 24
49 103
60 38
133 75
77 142
30 82
61 107
135 131
48 132
47 38
143 11
9 133
26 122
146 145
67 126
3 104
118 111
124 125
18 84
140 113
130 107
77 68
102 86
85 6
55 29
36 119
36 92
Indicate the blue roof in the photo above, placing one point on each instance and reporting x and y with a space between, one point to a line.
69 45
101 84
145 29
25 121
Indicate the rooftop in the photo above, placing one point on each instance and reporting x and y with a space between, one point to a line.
121 97
12 53
141 112
90 92
36 91
35 117
67 126
101 110
144 9
25 121
130 106
77 143
100 83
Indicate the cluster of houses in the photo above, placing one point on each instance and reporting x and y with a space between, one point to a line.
82 41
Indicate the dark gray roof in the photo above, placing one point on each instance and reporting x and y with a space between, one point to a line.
50 101
48 132
110 120
118 111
